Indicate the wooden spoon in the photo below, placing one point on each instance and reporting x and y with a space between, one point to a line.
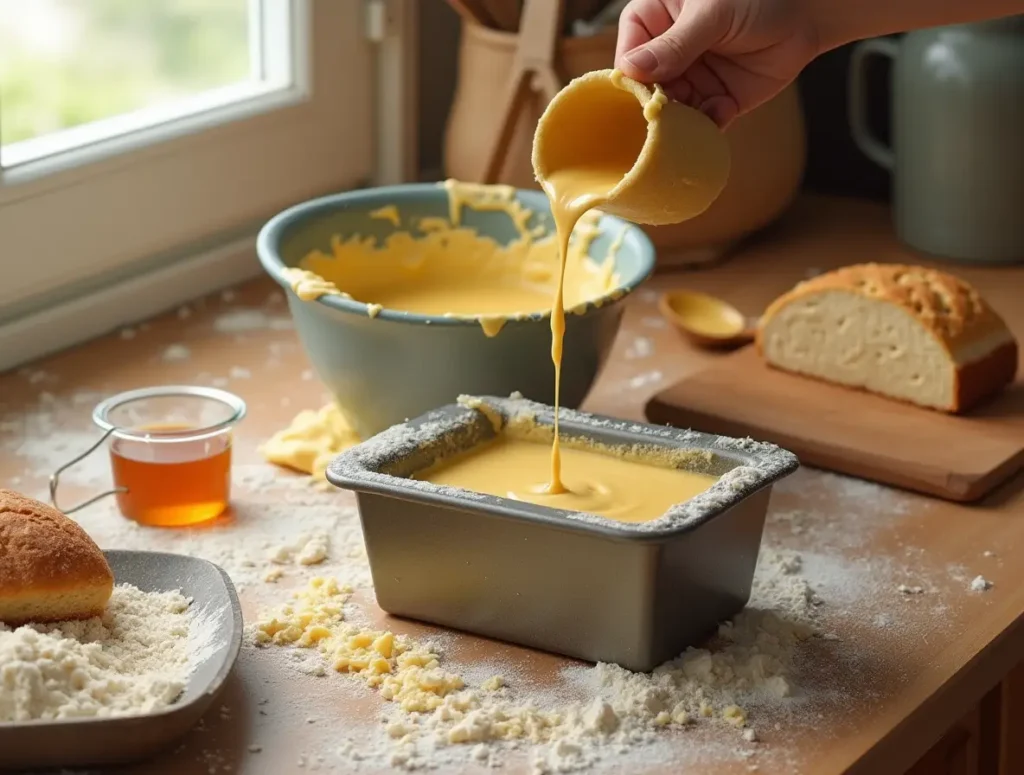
706 320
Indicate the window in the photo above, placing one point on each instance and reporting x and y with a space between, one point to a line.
135 135
73 73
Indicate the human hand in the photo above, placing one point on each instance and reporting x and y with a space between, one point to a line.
723 57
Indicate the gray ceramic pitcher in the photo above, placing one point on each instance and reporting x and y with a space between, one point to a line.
957 153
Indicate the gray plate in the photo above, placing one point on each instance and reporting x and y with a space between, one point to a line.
82 742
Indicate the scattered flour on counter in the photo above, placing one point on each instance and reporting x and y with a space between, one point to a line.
980 584
176 352
835 529
957 572
36 376
134 659
640 347
86 398
44 449
304 550
241 321
644 380
437 717
910 590
838 512
780 586
653 322
840 495
283 516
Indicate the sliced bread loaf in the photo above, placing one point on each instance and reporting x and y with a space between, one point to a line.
905 332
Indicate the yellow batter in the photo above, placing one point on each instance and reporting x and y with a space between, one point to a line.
312 441
607 141
587 181
572 193
449 270
596 483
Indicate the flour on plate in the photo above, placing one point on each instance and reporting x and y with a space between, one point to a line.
134 659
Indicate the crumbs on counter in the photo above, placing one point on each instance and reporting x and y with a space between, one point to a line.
980 584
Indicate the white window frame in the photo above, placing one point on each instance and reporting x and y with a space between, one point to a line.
121 229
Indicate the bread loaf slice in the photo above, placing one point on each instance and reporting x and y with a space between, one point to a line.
905 332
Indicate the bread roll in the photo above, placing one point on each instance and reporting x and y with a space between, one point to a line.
905 332
50 569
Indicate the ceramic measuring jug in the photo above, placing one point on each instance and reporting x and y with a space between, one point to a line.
674 161
957 152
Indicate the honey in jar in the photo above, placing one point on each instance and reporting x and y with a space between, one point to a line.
170 452
171 483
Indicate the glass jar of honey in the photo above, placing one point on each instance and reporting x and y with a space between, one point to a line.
170 453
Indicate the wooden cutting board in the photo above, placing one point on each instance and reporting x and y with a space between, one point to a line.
849 431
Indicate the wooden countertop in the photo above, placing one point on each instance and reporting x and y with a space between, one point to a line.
896 671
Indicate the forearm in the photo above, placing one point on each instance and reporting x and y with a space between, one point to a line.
843 21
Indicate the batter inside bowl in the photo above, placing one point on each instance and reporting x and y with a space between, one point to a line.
443 268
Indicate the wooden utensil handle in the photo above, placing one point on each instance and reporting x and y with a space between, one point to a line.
539 33
506 13
516 96
472 11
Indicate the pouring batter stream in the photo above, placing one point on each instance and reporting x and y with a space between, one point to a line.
572 193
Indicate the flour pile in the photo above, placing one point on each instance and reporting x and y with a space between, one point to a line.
135 659
436 712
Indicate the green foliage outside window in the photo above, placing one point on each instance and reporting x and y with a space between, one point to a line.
70 62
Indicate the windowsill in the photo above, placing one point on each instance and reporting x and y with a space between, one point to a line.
84 310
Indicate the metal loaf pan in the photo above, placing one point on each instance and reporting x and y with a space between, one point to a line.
565 582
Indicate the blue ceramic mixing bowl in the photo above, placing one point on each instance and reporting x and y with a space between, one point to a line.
398 365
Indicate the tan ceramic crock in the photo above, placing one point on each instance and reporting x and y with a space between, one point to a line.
486 59
769 151
768 145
